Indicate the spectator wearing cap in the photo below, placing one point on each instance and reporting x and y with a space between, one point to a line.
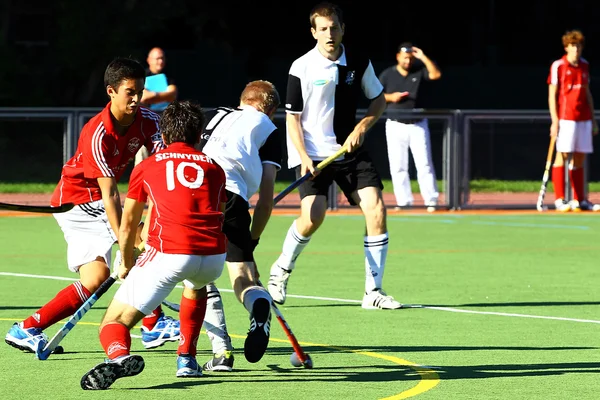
401 83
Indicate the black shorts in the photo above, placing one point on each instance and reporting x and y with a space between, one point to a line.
351 175
237 229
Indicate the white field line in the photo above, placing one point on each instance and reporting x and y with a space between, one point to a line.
338 300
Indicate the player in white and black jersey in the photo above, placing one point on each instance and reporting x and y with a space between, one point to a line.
324 87
245 142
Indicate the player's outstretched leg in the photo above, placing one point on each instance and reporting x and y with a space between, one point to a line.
281 269
376 248
258 301
216 329
103 375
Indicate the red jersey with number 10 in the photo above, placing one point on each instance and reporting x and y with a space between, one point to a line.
187 189
572 82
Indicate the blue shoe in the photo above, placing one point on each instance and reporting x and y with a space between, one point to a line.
30 339
187 367
165 330
103 375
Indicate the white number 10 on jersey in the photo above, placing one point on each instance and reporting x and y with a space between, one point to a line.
171 174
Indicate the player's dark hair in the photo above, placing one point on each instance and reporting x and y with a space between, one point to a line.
326 9
120 69
182 121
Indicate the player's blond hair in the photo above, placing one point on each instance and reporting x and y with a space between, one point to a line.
573 37
262 95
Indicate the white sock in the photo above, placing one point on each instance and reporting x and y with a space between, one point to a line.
293 245
254 293
376 248
214 321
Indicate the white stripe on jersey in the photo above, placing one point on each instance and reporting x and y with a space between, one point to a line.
97 151
554 71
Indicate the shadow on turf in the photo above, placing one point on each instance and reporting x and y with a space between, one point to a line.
521 304
514 370
414 349
384 373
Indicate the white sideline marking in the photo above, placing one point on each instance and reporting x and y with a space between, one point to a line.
334 299
458 310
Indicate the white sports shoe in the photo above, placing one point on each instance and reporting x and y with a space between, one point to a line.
575 206
378 299
431 206
278 280
562 206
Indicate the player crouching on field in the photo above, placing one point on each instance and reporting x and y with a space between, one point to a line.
185 243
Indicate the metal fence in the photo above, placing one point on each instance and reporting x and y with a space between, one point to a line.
466 144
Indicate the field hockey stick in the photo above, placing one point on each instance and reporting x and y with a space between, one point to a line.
303 357
37 209
546 177
44 353
306 176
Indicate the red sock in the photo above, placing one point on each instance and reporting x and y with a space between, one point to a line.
63 305
115 339
576 177
191 317
150 320
558 180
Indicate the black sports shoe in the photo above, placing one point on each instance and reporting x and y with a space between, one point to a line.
258 336
103 375
220 362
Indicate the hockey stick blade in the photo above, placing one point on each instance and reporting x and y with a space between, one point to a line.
37 209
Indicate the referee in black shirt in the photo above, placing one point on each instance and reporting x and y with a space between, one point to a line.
401 84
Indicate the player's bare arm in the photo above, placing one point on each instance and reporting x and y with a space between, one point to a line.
132 215
294 125
552 91
112 201
590 100
264 204
357 137
432 69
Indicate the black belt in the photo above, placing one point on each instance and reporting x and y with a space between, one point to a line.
407 121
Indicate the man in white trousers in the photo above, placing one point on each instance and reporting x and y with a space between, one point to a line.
401 84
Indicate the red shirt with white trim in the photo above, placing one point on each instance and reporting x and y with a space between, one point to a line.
101 152
572 82
187 188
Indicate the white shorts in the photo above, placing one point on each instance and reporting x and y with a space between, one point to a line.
155 274
574 137
88 234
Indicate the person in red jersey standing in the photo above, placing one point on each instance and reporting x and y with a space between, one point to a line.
185 244
572 111
108 142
